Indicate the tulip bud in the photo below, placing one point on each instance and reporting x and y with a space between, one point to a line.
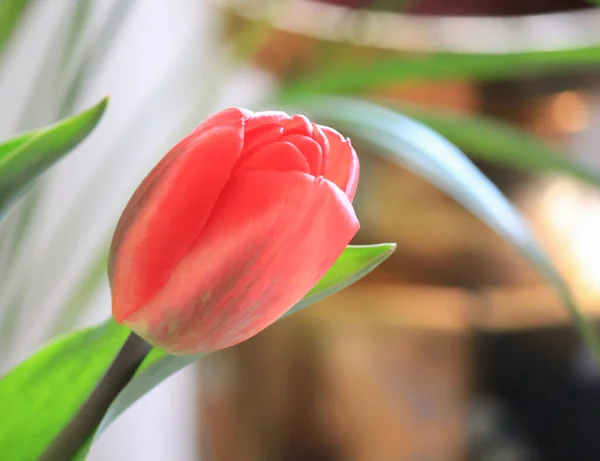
231 229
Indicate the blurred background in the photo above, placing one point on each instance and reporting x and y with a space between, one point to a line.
454 349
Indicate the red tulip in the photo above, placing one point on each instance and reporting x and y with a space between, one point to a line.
231 229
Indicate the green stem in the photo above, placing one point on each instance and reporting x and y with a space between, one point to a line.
76 433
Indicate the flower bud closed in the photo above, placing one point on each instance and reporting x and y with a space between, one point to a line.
231 229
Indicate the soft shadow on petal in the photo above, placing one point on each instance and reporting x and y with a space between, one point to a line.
276 156
153 243
271 238
322 141
341 167
309 148
261 135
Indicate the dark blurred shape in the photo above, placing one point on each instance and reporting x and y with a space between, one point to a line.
470 7
494 435
536 374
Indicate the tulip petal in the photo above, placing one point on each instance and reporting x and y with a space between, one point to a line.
322 141
166 224
271 117
261 135
298 124
229 118
341 167
271 238
309 148
277 156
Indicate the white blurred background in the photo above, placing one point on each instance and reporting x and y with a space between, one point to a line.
159 69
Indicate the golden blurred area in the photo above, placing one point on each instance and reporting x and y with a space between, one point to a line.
384 369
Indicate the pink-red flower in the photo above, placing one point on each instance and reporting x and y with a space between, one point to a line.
231 229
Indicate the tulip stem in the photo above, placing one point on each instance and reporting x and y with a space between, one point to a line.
77 432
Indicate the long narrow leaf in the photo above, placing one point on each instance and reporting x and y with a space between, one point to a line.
27 160
492 140
356 77
418 148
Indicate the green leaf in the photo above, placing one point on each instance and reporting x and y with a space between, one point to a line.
42 393
11 13
489 139
27 156
418 148
353 264
13 144
355 77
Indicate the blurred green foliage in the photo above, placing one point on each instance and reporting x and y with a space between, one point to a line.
11 13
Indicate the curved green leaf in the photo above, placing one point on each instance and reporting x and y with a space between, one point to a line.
13 144
356 77
353 264
27 156
492 140
43 392
418 148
